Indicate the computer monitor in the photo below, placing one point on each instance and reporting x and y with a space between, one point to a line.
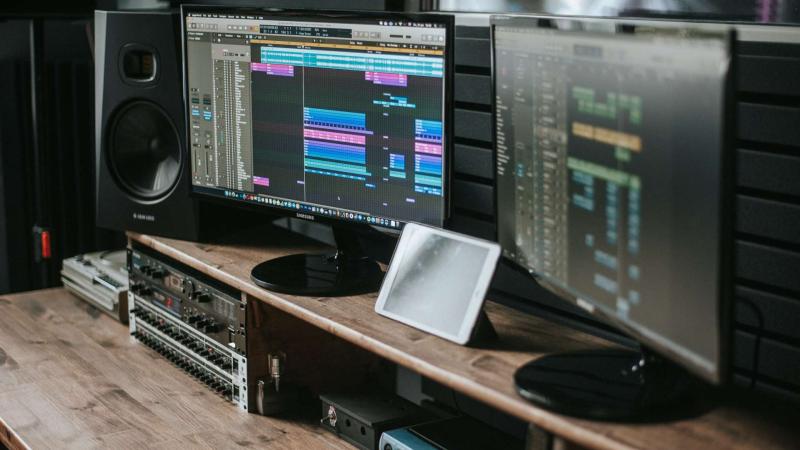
338 117
612 179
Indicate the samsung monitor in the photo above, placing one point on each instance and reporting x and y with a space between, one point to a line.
612 174
330 116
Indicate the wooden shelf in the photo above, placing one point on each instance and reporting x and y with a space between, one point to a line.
482 373
71 377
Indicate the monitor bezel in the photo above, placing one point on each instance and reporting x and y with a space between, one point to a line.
724 302
447 20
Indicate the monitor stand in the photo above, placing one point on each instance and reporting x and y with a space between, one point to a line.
483 333
606 384
348 271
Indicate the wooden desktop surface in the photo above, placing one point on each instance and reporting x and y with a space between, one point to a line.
486 373
72 377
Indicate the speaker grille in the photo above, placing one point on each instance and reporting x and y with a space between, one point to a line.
144 150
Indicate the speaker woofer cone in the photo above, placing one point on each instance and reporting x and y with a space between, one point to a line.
144 150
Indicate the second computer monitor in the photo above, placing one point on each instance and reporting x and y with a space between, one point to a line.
611 172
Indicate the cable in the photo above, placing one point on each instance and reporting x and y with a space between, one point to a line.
757 349
455 401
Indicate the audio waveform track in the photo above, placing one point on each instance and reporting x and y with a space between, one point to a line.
333 159
428 168
360 131
355 61
337 120
281 70
388 79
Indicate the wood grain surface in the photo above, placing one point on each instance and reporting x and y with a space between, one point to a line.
72 377
485 374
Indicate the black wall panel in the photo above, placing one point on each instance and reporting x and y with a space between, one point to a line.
768 265
474 125
767 217
472 52
16 193
473 161
769 172
769 123
776 361
475 197
784 73
68 175
773 314
470 88
472 226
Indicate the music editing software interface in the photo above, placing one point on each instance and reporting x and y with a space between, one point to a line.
340 119
606 148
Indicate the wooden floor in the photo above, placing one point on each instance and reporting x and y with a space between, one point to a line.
71 377
485 373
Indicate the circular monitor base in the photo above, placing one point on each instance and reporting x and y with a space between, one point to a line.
605 385
320 275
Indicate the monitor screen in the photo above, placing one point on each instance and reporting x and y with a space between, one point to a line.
331 115
609 150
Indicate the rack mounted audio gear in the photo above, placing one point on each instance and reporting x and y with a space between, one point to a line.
196 323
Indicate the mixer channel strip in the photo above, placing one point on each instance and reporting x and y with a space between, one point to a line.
222 370
222 385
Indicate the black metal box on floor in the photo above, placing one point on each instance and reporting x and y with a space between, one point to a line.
361 418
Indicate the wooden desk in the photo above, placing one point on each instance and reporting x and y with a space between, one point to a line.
71 377
482 373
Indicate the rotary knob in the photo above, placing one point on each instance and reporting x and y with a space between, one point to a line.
142 289
188 287
210 326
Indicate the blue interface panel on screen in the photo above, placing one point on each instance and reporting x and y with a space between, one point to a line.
341 118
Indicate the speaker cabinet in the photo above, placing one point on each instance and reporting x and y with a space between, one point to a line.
142 178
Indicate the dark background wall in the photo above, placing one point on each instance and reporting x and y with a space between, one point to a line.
46 164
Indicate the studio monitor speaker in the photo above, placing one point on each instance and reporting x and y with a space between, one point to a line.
141 158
